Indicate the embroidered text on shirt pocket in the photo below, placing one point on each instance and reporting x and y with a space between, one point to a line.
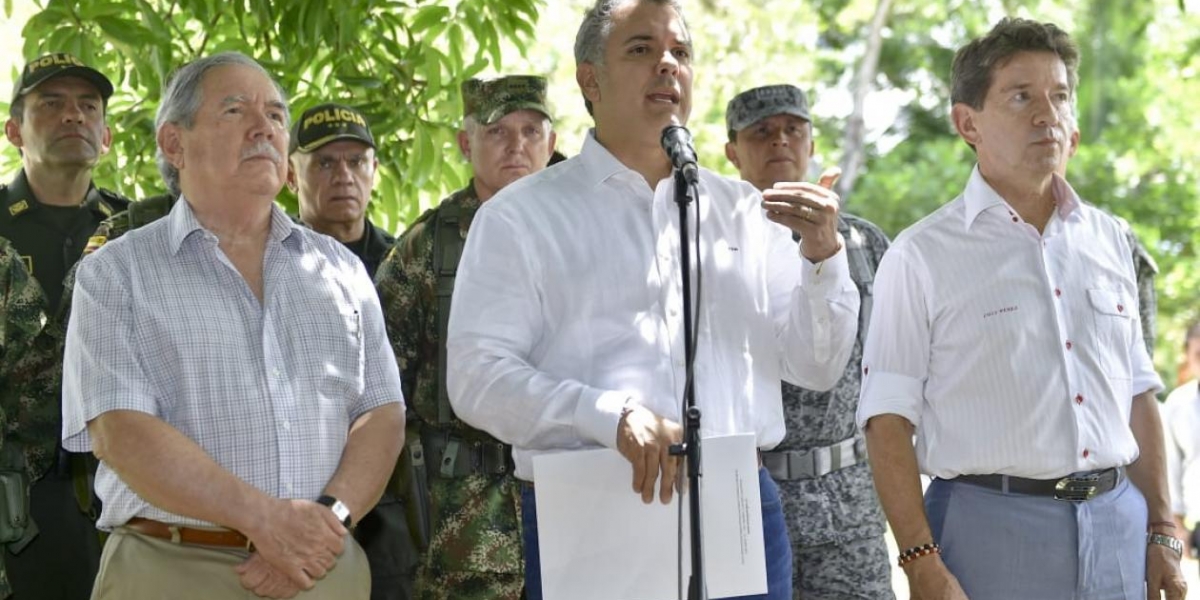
1112 331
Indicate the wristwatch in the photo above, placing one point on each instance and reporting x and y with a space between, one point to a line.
1171 542
340 510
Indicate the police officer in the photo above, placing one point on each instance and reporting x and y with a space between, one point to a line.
475 546
48 212
332 171
833 517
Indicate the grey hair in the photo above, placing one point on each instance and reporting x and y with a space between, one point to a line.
181 101
597 25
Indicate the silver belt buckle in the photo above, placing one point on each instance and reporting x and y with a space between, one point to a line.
1077 488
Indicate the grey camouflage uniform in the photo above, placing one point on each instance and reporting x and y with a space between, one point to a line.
834 522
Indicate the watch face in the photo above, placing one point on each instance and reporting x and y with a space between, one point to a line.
341 512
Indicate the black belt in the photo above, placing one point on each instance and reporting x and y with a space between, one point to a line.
452 456
1077 487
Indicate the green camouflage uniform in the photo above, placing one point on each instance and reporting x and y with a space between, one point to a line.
22 322
475 548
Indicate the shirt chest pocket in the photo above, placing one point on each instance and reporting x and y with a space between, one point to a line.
1112 331
332 347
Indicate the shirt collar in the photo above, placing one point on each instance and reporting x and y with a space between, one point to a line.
979 196
598 163
183 224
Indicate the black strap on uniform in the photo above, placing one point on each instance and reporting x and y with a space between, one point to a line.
861 272
447 249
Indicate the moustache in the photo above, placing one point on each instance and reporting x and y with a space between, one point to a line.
262 149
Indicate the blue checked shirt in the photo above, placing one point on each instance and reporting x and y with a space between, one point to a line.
162 323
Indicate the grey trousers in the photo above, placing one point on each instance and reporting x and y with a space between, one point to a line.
1004 546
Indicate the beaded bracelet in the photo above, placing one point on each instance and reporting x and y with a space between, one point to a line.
918 551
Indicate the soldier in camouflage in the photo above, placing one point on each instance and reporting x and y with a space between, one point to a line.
833 516
57 121
474 547
22 321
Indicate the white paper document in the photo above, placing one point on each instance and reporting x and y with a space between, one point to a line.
598 541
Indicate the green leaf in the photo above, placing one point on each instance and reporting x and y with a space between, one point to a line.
121 31
428 17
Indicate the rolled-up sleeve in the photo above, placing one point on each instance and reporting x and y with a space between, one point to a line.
896 354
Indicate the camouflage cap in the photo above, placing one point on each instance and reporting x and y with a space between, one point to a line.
49 66
488 100
754 105
327 123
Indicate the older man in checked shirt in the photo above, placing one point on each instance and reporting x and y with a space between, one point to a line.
230 369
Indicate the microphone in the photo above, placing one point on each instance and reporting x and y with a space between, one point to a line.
677 141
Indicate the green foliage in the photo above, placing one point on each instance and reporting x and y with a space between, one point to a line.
399 61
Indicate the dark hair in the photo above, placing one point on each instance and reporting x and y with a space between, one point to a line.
971 74
597 24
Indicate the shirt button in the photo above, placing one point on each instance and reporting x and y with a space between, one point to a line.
866 370
287 425
1078 398
1086 452
1120 308
1016 220
1057 292
1068 344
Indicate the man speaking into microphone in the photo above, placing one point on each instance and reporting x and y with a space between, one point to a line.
566 327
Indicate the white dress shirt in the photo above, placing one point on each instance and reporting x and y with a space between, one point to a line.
1181 427
1012 352
568 304
162 323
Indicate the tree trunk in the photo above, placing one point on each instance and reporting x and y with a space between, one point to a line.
853 146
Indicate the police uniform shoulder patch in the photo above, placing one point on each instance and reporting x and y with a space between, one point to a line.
94 244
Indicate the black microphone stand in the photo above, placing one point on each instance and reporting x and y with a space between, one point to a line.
690 448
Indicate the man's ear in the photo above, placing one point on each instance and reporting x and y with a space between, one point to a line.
292 178
464 144
731 154
106 140
964 123
12 131
170 140
587 76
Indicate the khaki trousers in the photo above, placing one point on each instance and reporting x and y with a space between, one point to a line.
140 567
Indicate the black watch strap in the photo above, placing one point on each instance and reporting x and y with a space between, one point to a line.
340 510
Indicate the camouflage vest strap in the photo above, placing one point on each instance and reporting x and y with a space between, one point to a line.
861 272
17 528
447 249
